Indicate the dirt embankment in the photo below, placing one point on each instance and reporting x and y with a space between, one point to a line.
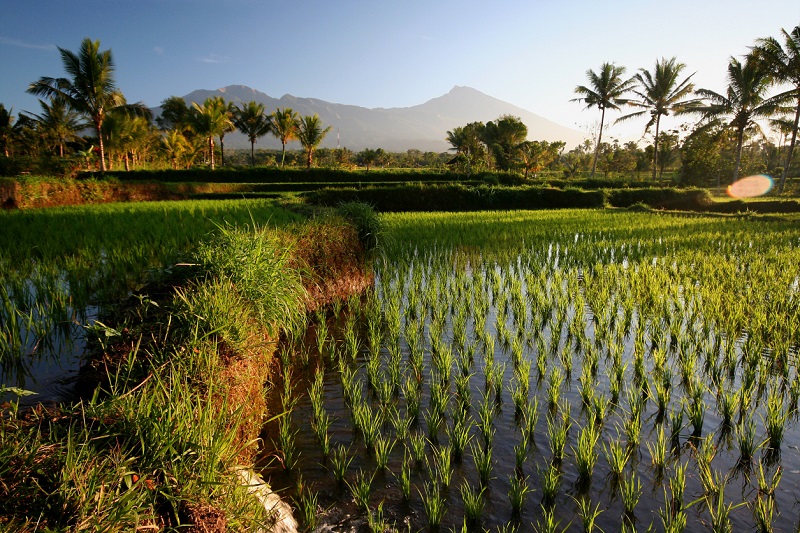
32 193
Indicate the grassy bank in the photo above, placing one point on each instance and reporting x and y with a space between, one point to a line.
177 389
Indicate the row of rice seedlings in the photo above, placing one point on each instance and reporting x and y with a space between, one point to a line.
688 405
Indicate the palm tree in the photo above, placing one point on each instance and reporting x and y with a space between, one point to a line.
605 92
6 123
59 123
127 136
743 103
176 146
466 142
784 65
252 120
90 90
535 155
284 127
310 134
212 119
661 93
227 127
502 138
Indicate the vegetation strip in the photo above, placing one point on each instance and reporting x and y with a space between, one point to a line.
181 397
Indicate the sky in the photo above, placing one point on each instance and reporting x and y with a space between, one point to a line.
382 53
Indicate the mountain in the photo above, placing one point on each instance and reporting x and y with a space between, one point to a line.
397 129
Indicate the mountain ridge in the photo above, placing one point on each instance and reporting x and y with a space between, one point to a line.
396 129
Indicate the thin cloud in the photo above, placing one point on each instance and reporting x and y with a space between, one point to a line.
158 50
213 58
22 44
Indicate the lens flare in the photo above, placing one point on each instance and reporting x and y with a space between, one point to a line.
750 187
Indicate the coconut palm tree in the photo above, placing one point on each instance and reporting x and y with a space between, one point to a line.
784 66
176 146
58 123
90 88
744 101
6 123
660 93
310 134
284 127
252 120
466 142
127 137
212 119
605 91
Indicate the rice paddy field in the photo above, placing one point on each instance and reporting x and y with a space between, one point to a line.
60 266
569 370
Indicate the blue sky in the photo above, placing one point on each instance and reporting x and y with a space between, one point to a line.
383 53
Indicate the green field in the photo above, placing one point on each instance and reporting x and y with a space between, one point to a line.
533 368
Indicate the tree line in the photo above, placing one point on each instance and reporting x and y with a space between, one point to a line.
726 138
88 98
736 112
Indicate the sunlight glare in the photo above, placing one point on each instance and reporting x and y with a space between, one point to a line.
750 187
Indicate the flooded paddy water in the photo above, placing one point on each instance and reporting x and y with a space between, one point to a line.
556 388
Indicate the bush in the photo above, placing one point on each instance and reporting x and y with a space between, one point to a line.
419 197
687 200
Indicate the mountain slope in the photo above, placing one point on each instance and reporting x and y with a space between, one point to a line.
423 127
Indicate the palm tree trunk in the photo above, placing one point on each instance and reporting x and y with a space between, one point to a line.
655 148
222 150
791 147
283 152
97 125
599 140
252 153
309 155
211 151
739 143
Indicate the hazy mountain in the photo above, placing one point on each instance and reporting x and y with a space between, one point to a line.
423 127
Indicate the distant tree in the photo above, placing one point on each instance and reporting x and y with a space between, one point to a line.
58 124
784 66
127 137
744 102
667 151
605 91
175 114
227 127
536 155
178 148
577 159
310 134
212 119
502 138
702 155
6 124
466 141
660 93
284 126
252 120
90 89
343 157
367 157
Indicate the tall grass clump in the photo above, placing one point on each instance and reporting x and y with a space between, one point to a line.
368 223
258 265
